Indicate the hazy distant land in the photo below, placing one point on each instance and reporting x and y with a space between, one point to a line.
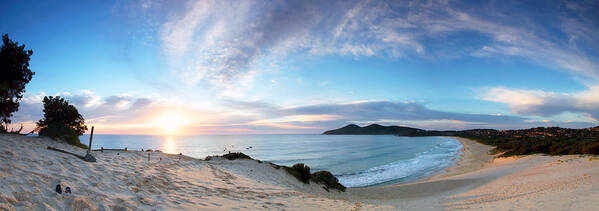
547 140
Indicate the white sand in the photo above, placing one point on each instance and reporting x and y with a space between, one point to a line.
29 173
127 181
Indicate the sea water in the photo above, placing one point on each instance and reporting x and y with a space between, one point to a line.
356 160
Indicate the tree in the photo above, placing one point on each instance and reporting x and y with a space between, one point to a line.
61 120
14 75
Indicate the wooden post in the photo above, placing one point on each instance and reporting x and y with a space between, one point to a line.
91 135
148 156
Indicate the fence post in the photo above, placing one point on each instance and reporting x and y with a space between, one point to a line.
91 135
89 157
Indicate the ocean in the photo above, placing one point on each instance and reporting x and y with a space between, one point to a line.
356 160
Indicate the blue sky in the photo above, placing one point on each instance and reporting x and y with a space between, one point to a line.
198 67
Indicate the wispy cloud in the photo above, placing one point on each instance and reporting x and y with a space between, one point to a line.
218 41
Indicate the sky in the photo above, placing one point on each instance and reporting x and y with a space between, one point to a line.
271 67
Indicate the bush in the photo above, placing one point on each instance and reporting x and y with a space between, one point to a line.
61 120
591 149
62 132
300 171
236 155
231 156
57 110
328 180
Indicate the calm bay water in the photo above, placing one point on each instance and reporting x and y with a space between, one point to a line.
357 160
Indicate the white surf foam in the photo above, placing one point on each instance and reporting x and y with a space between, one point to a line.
434 159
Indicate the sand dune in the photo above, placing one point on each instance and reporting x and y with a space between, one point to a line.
128 181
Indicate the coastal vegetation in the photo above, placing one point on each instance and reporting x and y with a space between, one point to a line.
61 121
546 140
328 180
14 75
300 171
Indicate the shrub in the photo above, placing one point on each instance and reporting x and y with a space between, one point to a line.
591 149
300 171
235 156
62 132
61 120
231 156
57 110
328 180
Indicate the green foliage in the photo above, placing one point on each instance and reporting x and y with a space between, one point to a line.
231 156
236 155
62 132
61 121
57 110
299 171
591 149
328 180
14 75
551 140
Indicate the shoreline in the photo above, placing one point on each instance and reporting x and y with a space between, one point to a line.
479 181
474 156
129 181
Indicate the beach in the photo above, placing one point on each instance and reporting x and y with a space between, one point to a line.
128 181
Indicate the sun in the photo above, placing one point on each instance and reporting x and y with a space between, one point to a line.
171 123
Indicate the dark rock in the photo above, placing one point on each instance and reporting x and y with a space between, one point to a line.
89 158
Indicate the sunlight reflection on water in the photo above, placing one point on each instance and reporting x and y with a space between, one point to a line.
168 145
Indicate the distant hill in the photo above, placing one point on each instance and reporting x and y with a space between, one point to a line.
375 129
547 140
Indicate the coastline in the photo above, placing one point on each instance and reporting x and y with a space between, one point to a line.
474 156
481 182
128 181
427 191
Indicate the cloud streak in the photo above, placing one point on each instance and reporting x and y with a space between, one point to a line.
219 41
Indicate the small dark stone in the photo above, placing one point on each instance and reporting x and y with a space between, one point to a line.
67 190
